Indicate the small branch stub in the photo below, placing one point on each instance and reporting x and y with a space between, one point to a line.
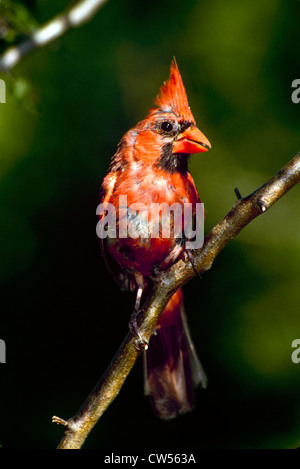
237 193
262 206
60 421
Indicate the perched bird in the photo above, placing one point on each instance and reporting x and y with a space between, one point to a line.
150 166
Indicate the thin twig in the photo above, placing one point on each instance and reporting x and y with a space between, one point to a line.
73 17
167 282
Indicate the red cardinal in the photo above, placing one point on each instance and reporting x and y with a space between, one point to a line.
151 166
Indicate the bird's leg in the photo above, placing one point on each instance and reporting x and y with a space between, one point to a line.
142 343
138 299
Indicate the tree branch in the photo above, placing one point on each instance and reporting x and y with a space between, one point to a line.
164 285
73 17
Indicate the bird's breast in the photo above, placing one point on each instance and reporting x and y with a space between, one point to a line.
149 216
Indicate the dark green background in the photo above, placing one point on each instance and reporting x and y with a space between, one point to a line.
62 315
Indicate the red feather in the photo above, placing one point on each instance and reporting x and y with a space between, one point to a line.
172 95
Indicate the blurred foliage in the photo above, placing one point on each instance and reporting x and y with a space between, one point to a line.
16 21
62 316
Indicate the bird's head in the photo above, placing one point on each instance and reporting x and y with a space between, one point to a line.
169 131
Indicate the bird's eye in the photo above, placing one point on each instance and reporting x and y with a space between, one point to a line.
166 126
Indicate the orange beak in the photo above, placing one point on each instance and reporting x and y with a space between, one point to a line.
191 141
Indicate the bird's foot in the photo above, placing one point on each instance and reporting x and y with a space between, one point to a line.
141 343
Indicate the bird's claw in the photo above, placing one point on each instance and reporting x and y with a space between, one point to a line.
141 343
156 271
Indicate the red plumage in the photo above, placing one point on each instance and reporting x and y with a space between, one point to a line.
151 166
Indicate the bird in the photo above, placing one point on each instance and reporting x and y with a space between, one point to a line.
150 166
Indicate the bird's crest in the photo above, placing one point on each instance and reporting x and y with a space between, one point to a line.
172 95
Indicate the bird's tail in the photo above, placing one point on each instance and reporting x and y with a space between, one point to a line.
172 368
